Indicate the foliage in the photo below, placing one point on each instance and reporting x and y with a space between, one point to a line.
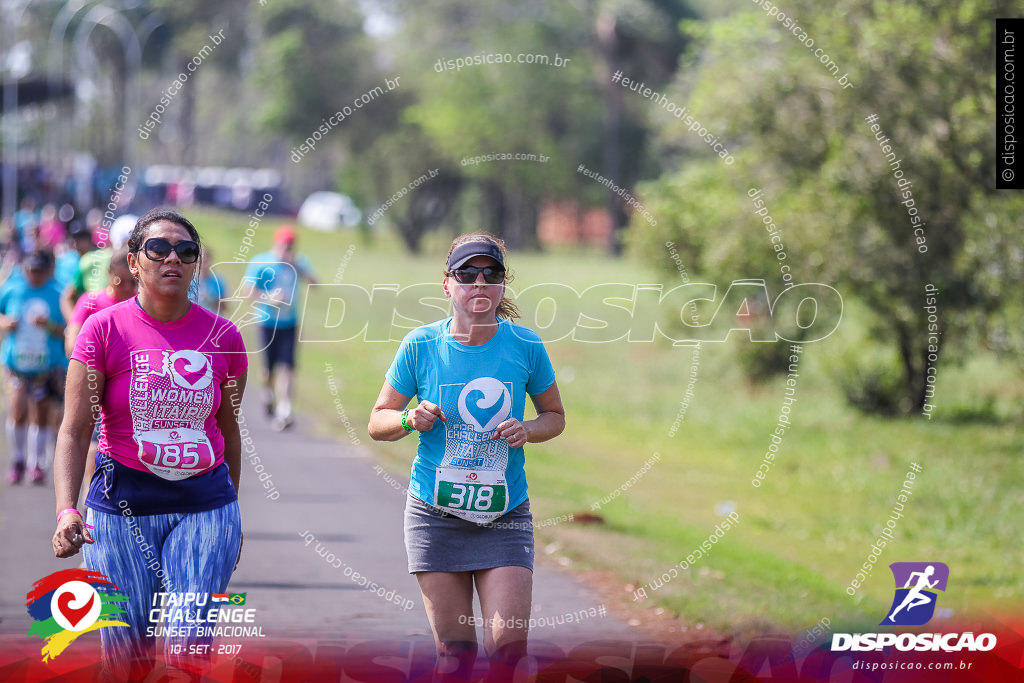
800 136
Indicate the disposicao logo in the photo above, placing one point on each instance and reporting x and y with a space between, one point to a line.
914 605
916 583
71 602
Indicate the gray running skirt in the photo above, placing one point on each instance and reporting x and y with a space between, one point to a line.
439 542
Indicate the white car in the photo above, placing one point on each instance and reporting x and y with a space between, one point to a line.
328 211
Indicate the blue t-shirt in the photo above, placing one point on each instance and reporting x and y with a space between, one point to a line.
31 349
17 276
477 387
280 281
66 268
209 290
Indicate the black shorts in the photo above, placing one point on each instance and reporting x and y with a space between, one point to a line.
40 386
279 346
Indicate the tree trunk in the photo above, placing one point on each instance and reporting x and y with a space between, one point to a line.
494 208
186 124
411 233
907 356
120 87
429 205
607 49
513 219
529 214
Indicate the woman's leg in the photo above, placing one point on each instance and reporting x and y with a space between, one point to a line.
17 426
506 594
38 436
124 551
448 597
199 557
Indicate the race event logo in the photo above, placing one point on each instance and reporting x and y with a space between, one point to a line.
68 603
203 615
485 403
914 603
474 409
190 370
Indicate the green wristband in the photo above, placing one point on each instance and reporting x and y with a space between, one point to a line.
405 425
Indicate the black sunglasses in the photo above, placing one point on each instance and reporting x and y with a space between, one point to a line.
158 249
466 275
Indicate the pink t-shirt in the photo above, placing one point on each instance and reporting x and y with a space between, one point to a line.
163 386
52 233
89 303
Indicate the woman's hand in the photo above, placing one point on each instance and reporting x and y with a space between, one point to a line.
513 431
71 533
424 416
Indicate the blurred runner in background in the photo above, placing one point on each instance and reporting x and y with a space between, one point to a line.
211 289
276 275
33 356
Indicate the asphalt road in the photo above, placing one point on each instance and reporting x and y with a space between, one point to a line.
326 496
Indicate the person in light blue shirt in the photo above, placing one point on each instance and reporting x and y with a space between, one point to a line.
276 277
467 517
210 289
25 218
32 353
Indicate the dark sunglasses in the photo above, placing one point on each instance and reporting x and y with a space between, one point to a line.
158 249
466 275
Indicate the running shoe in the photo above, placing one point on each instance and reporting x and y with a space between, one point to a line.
16 473
268 402
280 423
38 476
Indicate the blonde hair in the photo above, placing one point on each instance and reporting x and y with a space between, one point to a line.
506 309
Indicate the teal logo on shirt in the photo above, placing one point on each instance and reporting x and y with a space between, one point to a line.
485 403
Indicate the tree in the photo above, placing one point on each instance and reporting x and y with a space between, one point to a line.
805 139
642 39
468 109
193 25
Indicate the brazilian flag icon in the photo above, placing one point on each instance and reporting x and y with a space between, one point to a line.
237 598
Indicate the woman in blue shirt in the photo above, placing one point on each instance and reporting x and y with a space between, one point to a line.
467 517
33 356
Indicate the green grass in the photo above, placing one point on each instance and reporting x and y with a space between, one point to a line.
802 535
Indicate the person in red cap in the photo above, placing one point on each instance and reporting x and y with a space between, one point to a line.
276 275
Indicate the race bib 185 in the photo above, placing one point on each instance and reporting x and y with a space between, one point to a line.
175 454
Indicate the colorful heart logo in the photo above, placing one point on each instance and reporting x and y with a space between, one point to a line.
73 614
191 370
75 605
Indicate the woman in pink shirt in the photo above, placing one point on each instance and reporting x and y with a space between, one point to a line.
168 377
120 287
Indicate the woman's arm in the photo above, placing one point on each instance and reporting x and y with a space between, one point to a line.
549 423
386 418
227 419
83 393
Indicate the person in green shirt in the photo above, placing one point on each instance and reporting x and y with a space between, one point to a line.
91 276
